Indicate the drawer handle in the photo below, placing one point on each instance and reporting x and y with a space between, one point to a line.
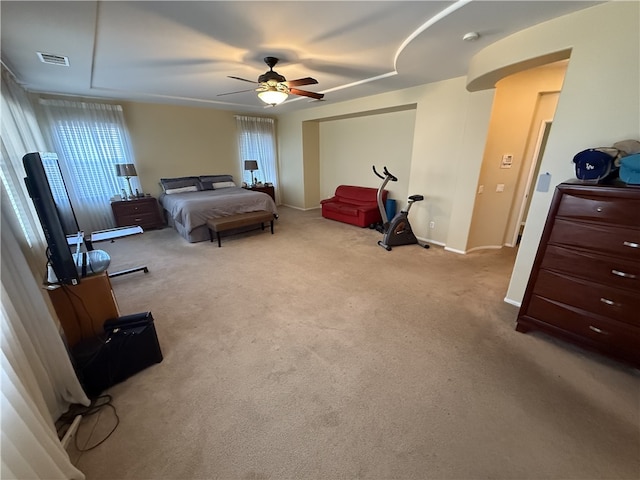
609 302
138 219
599 209
597 330
631 244
623 274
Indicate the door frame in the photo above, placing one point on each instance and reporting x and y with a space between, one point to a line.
543 130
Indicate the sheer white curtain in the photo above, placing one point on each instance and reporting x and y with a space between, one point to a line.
37 379
20 134
257 141
90 139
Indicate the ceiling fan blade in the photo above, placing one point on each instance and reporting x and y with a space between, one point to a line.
301 81
239 91
243 79
304 93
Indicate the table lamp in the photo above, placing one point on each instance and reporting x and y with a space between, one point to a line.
127 170
251 165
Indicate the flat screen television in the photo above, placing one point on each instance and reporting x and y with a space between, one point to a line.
58 251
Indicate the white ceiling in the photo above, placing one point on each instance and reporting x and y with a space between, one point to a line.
183 52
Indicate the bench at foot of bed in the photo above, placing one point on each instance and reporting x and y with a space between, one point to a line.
231 222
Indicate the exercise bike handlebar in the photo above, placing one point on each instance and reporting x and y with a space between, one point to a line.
388 175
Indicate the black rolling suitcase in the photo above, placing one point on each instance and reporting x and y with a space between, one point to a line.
129 344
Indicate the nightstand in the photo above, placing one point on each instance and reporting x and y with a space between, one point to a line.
144 212
268 190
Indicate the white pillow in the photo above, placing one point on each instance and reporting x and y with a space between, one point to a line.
192 188
217 185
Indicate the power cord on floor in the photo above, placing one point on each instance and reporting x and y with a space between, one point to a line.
97 405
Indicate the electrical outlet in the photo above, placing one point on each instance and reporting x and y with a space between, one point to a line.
432 224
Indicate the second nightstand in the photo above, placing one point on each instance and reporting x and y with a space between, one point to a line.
269 190
144 212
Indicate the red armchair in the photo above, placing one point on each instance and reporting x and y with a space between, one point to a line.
355 205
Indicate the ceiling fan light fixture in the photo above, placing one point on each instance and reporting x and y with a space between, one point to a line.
272 96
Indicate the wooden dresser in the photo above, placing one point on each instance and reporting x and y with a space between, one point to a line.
144 212
585 282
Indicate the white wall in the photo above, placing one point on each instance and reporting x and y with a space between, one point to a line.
451 126
176 141
350 146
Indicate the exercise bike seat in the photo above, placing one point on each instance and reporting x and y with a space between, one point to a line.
416 198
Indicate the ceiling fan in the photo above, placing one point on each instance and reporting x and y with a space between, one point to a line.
274 88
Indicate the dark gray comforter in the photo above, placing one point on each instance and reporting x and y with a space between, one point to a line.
192 209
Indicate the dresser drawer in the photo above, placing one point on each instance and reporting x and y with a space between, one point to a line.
619 305
613 271
603 238
601 209
614 336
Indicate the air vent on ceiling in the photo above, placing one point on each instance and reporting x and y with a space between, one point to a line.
52 59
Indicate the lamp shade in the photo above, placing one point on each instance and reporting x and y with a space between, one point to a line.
251 165
272 96
126 170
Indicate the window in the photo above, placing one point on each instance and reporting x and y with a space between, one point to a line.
257 141
90 140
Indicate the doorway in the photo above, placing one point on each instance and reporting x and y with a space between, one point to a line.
534 173
521 118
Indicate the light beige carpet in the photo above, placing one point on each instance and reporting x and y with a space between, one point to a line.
315 354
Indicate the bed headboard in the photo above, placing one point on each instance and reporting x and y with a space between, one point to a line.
202 182
207 181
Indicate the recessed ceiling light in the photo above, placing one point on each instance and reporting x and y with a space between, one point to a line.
471 36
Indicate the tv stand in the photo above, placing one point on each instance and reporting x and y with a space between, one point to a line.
82 309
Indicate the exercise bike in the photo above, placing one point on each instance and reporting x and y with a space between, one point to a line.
396 231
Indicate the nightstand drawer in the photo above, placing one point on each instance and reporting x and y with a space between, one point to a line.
145 220
131 207
270 190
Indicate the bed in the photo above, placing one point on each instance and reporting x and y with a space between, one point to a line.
189 201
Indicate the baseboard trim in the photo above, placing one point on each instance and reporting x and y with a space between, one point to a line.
432 242
512 302
299 208
455 250
485 247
